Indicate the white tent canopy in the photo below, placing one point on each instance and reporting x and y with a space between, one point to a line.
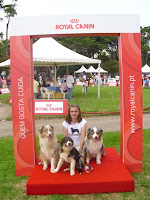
54 54
48 52
146 69
82 69
101 70
6 63
92 69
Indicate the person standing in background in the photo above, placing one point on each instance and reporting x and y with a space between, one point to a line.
36 87
103 79
0 81
117 79
4 82
64 86
70 85
106 79
8 82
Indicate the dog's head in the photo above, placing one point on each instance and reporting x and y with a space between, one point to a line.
67 144
46 131
94 134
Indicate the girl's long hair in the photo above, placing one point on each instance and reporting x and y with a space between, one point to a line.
68 117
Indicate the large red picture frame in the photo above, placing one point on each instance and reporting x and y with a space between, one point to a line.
23 101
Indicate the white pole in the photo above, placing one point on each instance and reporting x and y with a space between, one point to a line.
98 80
55 75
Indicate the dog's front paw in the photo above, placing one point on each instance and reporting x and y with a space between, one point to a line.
87 160
54 171
40 163
98 161
72 173
66 170
51 170
45 168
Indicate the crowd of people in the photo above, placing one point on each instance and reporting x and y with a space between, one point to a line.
5 82
145 80
67 82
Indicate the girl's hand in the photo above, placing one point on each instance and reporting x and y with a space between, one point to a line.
80 151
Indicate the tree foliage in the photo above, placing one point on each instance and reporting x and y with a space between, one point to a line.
10 11
145 43
103 48
106 49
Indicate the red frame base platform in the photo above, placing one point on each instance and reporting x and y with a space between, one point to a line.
111 176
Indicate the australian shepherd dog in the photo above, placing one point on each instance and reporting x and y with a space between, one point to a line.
49 148
94 147
70 155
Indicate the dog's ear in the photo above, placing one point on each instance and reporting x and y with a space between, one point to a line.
52 127
41 129
62 141
89 131
71 140
100 130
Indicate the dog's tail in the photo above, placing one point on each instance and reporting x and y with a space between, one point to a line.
103 151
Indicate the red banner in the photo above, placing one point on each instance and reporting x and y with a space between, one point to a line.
131 100
22 104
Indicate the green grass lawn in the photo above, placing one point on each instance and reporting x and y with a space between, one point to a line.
14 188
109 100
4 98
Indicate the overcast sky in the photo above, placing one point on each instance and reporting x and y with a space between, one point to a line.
50 7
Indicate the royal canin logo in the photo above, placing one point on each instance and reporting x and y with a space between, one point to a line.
74 20
74 25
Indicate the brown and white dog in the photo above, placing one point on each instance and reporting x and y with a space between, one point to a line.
94 147
71 157
49 148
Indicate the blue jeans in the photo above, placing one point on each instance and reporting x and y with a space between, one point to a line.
69 96
86 89
35 95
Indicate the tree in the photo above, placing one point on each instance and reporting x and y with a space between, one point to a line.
10 11
103 48
145 43
87 46
113 47
1 19
112 66
3 56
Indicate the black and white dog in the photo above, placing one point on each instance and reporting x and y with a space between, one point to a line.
94 147
71 157
74 131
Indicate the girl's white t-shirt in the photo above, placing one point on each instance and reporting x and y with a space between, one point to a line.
74 130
